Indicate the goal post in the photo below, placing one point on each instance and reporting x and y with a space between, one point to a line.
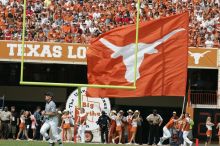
31 83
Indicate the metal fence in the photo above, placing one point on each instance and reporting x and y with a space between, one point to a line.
203 97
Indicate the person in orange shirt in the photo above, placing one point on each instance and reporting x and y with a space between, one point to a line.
66 28
186 128
69 38
174 116
68 17
129 123
54 34
67 134
74 28
112 128
166 130
209 125
179 128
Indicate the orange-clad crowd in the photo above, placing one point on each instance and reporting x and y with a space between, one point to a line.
78 21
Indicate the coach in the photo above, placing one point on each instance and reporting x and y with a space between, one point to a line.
155 121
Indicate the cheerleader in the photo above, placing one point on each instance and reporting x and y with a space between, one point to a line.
112 128
209 125
67 135
135 119
33 124
118 128
22 127
129 123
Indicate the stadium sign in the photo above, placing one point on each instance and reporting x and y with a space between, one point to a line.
44 52
203 58
93 108
69 53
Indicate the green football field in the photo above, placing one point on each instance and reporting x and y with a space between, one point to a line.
41 143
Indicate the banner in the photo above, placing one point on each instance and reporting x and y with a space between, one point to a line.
66 53
93 107
43 52
161 59
202 58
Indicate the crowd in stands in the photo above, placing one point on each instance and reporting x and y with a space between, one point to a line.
78 21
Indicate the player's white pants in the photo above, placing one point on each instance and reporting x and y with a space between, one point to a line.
186 139
52 125
166 133
81 132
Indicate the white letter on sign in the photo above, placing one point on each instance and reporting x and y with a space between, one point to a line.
20 50
33 50
46 51
81 52
70 52
57 51
11 47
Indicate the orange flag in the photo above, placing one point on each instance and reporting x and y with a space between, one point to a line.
161 63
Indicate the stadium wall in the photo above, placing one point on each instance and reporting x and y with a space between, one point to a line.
151 101
31 94
70 54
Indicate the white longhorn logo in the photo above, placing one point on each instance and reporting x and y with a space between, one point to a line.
197 56
128 53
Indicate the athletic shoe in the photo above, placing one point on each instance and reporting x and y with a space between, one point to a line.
113 141
50 141
159 144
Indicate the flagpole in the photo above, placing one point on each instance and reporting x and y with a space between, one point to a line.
79 97
189 95
136 42
183 107
23 39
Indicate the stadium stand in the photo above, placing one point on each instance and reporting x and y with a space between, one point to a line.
80 21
